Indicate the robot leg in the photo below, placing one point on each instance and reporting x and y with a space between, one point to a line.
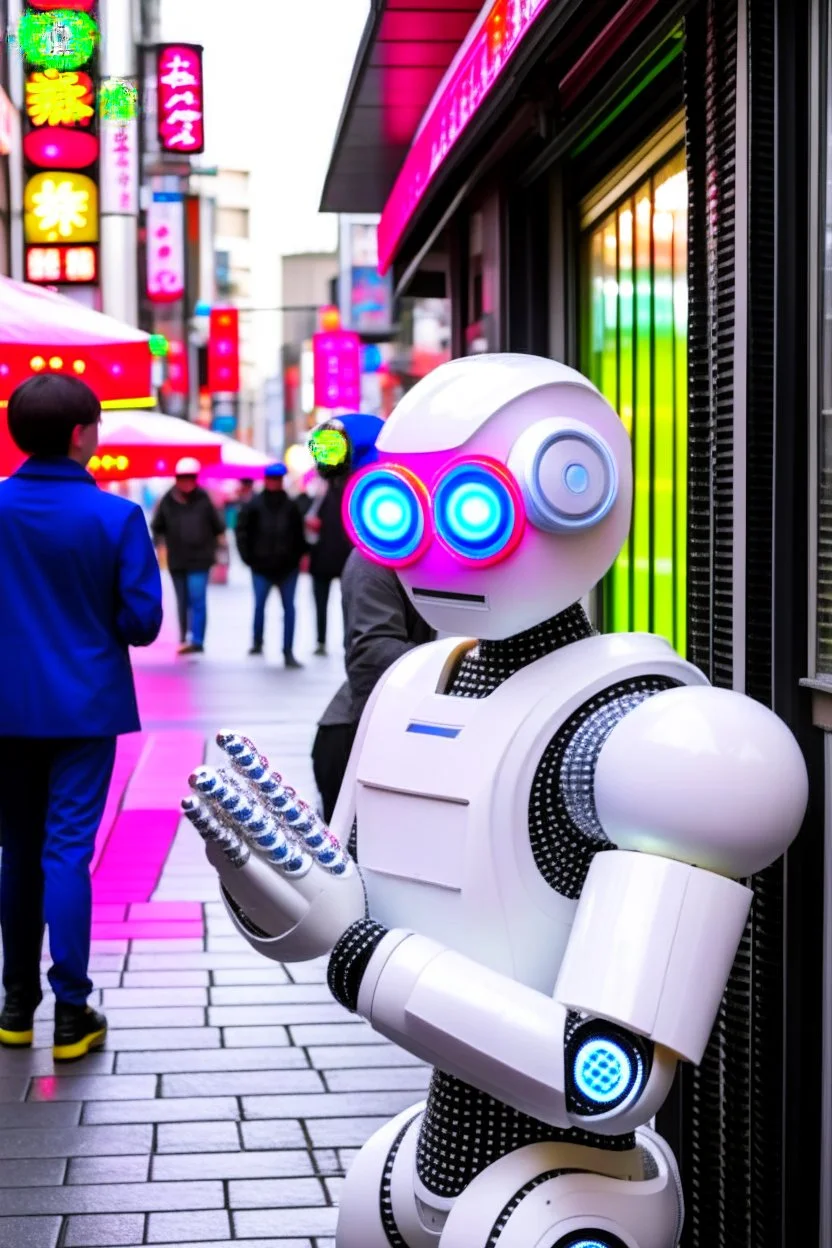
533 1199
377 1207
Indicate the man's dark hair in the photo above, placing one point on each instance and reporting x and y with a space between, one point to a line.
43 412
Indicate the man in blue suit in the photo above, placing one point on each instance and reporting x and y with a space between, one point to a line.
79 583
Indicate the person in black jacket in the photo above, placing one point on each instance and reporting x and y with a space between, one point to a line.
330 550
188 524
380 625
271 542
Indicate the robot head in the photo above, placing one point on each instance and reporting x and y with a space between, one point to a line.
501 493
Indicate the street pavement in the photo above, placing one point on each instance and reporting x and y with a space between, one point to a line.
233 1091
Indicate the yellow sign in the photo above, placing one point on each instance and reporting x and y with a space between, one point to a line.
61 208
55 98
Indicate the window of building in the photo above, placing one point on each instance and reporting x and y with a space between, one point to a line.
634 348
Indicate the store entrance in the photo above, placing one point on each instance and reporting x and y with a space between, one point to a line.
634 348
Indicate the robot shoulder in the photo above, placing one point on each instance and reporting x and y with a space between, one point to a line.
706 776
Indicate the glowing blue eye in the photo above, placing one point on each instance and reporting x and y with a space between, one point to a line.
604 1071
476 514
386 515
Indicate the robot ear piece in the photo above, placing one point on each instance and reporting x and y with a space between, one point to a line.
567 474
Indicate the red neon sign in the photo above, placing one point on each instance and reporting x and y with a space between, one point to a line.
472 77
74 265
224 351
337 362
180 102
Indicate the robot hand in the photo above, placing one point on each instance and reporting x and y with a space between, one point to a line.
290 888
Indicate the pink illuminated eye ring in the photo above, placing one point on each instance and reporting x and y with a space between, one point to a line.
478 512
386 513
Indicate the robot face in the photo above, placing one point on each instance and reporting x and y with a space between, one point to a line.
518 521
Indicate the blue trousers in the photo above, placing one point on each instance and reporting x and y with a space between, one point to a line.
192 604
263 586
52 798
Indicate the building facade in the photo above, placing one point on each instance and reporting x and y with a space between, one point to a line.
627 187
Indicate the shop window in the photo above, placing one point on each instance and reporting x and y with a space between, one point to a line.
634 348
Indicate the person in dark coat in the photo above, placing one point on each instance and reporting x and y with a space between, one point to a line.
270 541
340 446
189 526
80 585
380 625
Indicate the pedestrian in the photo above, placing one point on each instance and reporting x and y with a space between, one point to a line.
190 528
380 625
270 541
80 585
340 447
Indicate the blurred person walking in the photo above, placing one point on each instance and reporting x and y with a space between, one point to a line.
380 625
187 524
270 540
80 585
329 549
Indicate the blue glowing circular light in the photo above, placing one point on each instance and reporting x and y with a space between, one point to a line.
603 1071
475 513
387 515
588 1243
576 478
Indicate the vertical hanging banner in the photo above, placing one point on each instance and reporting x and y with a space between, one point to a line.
119 130
59 46
166 247
337 366
180 98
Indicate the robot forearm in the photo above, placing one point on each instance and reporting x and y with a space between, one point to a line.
500 1036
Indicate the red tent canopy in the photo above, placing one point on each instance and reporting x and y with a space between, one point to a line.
41 331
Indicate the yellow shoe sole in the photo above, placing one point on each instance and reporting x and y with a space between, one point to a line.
71 1052
16 1039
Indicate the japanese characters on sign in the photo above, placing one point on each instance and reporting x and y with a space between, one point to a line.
61 146
119 148
166 247
179 95
337 365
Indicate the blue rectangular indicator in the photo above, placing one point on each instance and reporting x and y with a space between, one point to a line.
433 730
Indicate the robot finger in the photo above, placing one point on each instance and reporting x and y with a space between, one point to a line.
246 819
296 817
212 831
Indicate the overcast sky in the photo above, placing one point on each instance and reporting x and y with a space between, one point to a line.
276 74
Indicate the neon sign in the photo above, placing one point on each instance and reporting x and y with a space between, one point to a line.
337 365
118 104
61 264
470 79
165 247
179 85
57 97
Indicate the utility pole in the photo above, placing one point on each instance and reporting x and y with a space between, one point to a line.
119 229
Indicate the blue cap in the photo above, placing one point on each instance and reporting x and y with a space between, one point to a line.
275 470
362 432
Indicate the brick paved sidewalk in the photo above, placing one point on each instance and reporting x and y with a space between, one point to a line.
233 1092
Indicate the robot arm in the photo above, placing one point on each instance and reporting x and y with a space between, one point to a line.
696 785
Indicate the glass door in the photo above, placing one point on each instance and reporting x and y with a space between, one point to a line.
634 348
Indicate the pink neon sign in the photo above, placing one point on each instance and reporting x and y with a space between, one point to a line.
180 104
471 79
337 361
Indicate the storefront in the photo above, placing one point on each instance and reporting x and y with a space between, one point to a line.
622 184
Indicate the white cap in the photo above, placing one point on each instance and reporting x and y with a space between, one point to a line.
188 467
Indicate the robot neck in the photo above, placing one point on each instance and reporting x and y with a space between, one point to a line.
491 662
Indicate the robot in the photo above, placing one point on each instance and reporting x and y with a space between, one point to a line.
547 830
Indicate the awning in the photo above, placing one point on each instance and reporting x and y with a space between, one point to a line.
405 51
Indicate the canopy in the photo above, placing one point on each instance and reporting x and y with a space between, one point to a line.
41 331
147 444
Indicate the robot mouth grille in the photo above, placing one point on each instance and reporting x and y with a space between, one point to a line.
435 595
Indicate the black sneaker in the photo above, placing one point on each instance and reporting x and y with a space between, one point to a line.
17 1020
255 649
78 1029
291 662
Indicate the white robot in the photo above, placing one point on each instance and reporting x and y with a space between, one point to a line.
548 825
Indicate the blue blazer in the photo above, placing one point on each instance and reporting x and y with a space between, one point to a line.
79 583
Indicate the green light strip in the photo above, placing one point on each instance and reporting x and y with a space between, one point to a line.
635 91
